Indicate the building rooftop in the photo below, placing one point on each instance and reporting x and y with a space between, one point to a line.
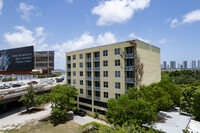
173 123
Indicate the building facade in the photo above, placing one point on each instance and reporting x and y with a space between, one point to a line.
172 65
185 65
107 71
44 60
193 64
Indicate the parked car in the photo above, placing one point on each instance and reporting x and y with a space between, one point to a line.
32 83
79 112
16 85
5 86
59 80
10 84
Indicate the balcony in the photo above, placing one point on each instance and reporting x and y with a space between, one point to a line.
69 62
68 77
69 69
97 98
96 59
129 68
88 96
96 68
89 78
129 80
88 60
88 87
129 56
96 88
96 78
88 69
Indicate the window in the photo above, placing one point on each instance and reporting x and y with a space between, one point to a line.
80 56
81 91
74 81
117 74
105 84
74 57
81 82
117 95
105 63
105 73
117 62
117 85
81 73
105 94
74 73
81 65
117 51
74 65
105 53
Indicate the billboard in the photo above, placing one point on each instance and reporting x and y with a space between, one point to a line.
18 59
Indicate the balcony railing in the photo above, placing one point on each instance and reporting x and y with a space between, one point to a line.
96 78
68 69
129 68
69 85
97 98
96 68
96 59
128 56
129 80
88 69
88 60
68 77
69 62
97 88
89 87
88 96
88 78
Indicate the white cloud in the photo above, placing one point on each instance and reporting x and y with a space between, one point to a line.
174 23
1 5
190 17
25 10
162 41
106 38
69 1
118 11
133 36
25 37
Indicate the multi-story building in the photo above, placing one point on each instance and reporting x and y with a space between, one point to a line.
193 64
198 63
44 60
172 65
185 65
164 64
107 71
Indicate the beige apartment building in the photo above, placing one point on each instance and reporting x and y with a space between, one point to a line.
44 60
107 71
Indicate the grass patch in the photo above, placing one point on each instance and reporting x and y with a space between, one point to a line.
46 127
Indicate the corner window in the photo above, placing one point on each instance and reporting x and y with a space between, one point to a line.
117 51
105 94
80 56
105 84
117 62
105 53
117 85
105 63
117 74
74 57
105 73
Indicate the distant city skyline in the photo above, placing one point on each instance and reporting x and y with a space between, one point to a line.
180 65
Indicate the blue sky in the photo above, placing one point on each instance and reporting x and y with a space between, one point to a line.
66 25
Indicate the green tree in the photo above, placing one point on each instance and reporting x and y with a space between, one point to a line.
196 104
29 99
124 110
61 97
